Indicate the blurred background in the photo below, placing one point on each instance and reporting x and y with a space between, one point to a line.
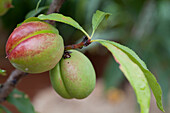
142 25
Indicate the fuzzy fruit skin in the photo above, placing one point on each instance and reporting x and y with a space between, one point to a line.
73 77
4 6
34 47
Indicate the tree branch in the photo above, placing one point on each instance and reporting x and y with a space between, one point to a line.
9 85
54 7
17 75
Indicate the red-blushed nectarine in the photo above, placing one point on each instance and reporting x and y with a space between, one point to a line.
34 47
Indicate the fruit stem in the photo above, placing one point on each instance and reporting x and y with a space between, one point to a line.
86 41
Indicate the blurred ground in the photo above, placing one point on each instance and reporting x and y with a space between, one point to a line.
47 101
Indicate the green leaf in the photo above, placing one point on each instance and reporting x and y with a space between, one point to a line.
2 72
134 74
97 18
21 101
34 12
29 20
4 109
156 89
64 19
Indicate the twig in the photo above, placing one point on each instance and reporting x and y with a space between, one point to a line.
17 75
80 45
